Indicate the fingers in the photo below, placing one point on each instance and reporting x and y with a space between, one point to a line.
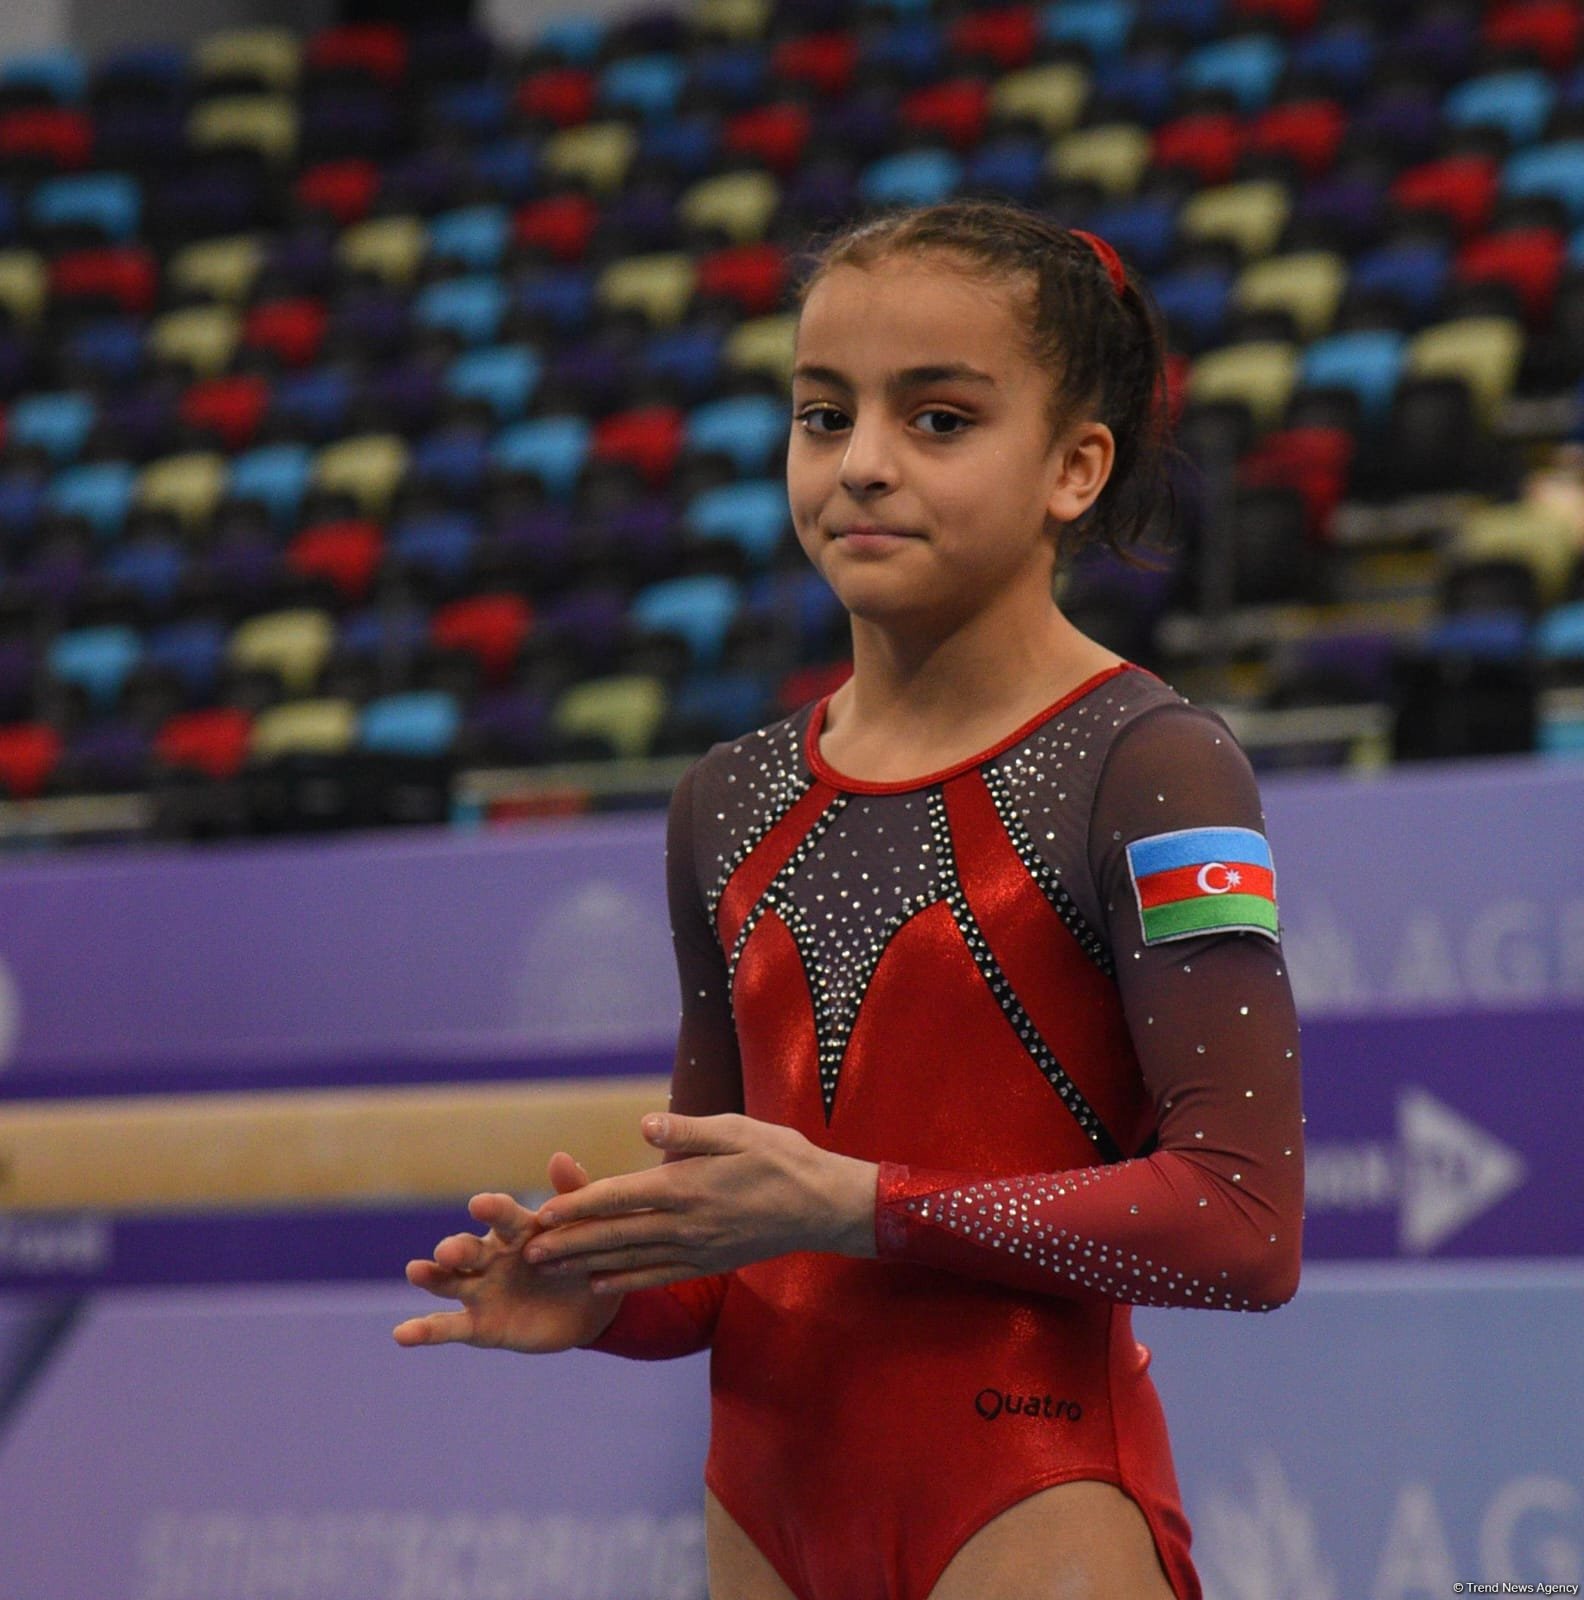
461 1252
511 1221
439 1327
697 1136
566 1174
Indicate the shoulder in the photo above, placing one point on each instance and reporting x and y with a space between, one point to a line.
762 762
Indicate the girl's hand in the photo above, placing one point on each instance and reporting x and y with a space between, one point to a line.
750 1190
506 1304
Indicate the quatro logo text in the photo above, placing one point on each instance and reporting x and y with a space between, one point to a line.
993 1403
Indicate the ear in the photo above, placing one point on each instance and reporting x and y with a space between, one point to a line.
1083 457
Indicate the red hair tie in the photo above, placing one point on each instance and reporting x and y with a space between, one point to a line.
1109 259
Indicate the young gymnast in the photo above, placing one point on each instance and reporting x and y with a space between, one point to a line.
986 1034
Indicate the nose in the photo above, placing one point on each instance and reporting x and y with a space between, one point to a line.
869 464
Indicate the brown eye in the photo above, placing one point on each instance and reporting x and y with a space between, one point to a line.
821 419
953 422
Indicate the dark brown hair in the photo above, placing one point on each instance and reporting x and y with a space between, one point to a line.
1105 350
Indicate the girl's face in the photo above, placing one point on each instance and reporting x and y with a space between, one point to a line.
922 474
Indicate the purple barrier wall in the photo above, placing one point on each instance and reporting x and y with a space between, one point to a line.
1443 890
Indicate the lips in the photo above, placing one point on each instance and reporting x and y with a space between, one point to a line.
873 530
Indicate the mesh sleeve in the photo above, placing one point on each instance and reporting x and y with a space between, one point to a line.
706 1078
1212 1215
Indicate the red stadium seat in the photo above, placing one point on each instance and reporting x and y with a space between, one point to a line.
957 110
1296 16
1553 30
562 225
47 134
30 752
1309 131
824 61
126 276
490 627
1207 143
649 438
1314 461
562 95
292 331
1007 36
231 408
214 743
1460 187
1530 260
370 49
345 553
753 275
343 190
775 134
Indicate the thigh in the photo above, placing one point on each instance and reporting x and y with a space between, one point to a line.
1076 1541
737 1567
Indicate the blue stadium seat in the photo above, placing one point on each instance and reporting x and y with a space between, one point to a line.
1484 635
688 357
1247 66
1553 170
152 568
1143 230
454 460
441 544
108 202
1559 635
1012 166
1100 26
507 168
100 492
61 74
1143 88
477 110
912 177
110 348
423 722
1414 272
735 74
194 649
503 376
472 236
316 401
1195 19
276 476
470 307
1343 55
914 49
1366 363
384 632
727 703
565 298
552 449
576 40
97 660
753 515
649 85
1194 303
1518 102
687 145
699 609
58 424
750 429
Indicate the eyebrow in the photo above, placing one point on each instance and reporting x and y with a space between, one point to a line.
907 378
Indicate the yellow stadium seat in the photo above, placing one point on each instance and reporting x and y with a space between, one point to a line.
1483 351
1308 285
1261 374
269 57
764 344
660 286
304 727
746 20
188 486
202 338
24 284
597 153
1053 96
1251 215
263 123
626 711
1114 155
1540 536
222 269
391 248
738 204
369 467
294 645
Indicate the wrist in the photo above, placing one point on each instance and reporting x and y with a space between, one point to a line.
853 1189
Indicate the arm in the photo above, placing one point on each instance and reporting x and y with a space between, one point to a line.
679 1318
1212 1215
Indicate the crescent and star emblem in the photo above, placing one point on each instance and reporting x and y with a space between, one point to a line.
1230 878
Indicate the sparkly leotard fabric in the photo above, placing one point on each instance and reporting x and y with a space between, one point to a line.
950 978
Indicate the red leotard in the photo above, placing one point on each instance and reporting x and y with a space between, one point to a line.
949 977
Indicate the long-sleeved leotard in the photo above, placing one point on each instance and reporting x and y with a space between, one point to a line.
952 978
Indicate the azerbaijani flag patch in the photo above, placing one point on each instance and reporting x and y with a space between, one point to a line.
1203 880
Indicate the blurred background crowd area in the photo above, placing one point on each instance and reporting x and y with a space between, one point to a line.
393 412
